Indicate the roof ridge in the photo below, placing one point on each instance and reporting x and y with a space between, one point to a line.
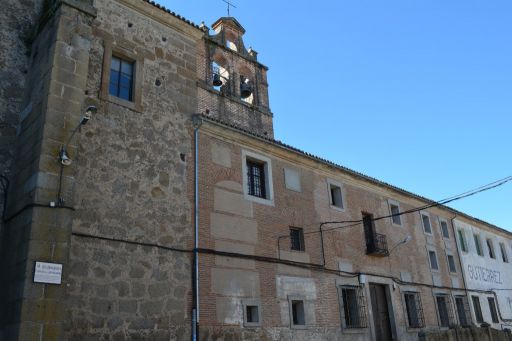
174 14
346 169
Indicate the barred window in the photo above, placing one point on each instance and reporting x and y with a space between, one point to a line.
256 179
354 307
414 309
297 239
463 312
478 309
444 310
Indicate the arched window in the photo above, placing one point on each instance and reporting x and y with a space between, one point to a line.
220 77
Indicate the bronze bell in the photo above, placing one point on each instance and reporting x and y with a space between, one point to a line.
245 90
216 80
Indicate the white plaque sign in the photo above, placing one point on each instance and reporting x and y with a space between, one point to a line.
48 273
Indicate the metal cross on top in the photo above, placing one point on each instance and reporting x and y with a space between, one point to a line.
230 4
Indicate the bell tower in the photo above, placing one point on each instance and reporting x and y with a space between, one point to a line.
232 84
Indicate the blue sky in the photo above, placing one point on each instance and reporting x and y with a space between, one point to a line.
416 93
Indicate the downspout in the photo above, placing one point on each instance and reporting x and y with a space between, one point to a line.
196 122
462 272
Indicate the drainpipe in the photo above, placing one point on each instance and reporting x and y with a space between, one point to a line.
196 122
462 272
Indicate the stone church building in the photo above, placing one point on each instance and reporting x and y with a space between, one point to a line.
146 198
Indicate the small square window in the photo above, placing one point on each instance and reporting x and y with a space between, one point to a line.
394 210
504 255
121 78
252 313
414 310
490 246
444 229
433 260
298 317
451 264
297 239
478 245
426 223
354 307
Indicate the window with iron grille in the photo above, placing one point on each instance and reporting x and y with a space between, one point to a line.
463 312
354 307
297 239
477 309
414 309
256 179
121 78
492 308
451 264
444 229
444 310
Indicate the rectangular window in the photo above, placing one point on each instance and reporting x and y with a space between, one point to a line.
252 314
492 308
462 241
491 249
444 229
426 223
444 310
451 264
433 260
478 245
463 313
121 78
478 309
414 310
394 209
297 239
504 255
335 195
298 316
354 307
256 178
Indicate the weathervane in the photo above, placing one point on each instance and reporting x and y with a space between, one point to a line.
229 5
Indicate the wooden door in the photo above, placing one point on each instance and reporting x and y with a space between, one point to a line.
380 311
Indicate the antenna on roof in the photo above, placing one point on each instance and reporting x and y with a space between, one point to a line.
230 4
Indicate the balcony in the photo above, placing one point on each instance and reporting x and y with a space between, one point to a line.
377 245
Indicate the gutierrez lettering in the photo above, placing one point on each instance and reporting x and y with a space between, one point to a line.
479 273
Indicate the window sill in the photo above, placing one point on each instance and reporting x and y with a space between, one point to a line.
337 208
263 201
124 103
361 330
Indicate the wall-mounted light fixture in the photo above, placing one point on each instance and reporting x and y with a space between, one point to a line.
64 158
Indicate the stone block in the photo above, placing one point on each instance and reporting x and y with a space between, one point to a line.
234 228
221 155
233 203
237 283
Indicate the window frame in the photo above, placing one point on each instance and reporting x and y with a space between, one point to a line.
448 255
302 245
429 250
441 221
479 317
462 244
291 300
251 302
466 310
449 312
418 309
110 49
362 307
478 244
397 204
490 248
330 183
425 214
493 310
503 250
267 166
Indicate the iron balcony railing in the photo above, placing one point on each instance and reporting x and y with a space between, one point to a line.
377 245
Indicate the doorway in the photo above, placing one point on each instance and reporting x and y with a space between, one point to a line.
380 310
